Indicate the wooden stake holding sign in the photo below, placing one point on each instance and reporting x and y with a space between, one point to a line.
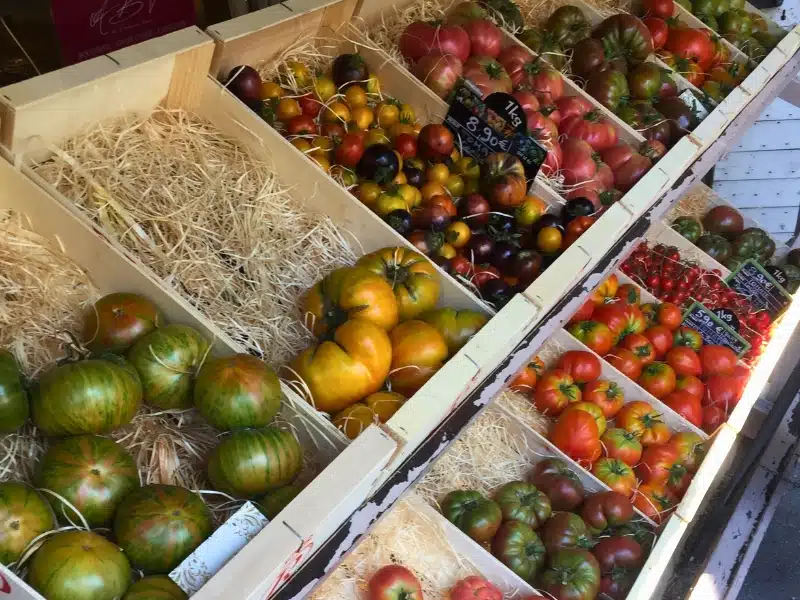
762 286
496 124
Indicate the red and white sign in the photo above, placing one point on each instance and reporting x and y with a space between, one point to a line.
13 588
91 28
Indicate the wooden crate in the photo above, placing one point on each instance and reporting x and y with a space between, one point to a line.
341 487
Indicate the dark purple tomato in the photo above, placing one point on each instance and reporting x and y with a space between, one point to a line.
399 220
474 210
479 248
496 291
549 221
503 254
414 176
527 266
501 222
432 217
245 83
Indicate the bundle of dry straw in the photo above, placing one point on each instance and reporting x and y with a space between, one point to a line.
208 217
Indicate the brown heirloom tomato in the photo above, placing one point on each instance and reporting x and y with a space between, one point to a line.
571 573
606 509
473 514
554 477
347 293
517 546
581 365
117 320
608 395
565 530
347 369
626 36
641 419
418 351
618 552
503 180
521 501
413 277
554 391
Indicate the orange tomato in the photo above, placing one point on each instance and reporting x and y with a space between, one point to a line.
353 420
431 189
362 117
606 290
287 109
336 112
549 239
437 173
418 351
355 96
271 90
385 404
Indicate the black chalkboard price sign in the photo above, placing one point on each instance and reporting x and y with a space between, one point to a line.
496 124
760 287
714 330
728 317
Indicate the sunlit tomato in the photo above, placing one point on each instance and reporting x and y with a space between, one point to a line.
658 465
629 293
658 378
622 445
723 391
584 313
287 109
655 501
669 315
549 239
640 418
692 44
641 347
525 380
554 390
581 365
661 338
684 361
685 336
606 291
713 418
271 90
608 395
616 474
613 316
690 385
575 433
431 189
458 234
626 362
717 360
658 30
336 112
686 405
595 411
594 335
690 447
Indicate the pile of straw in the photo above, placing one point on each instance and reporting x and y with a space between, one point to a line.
695 203
208 217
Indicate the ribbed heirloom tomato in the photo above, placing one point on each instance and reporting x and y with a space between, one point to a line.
612 316
418 351
554 391
596 336
658 378
717 360
690 449
622 445
626 362
582 366
615 474
576 434
690 338
658 464
595 411
608 395
684 361
640 418
661 338
525 381
669 315
654 500
723 391
641 347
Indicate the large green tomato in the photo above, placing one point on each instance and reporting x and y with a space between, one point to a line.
518 547
520 501
473 514
571 574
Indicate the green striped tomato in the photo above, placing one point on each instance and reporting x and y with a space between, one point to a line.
92 473
90 396
160 525
251 462
13 399
236 392
274 502
155 587
79 565
167 361
24 514
117 320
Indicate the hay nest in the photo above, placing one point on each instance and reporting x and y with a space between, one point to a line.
695 204
208 217
492 452
313 51
404 536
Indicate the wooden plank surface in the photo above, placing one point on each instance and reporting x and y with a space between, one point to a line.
749 165
771 135
760 193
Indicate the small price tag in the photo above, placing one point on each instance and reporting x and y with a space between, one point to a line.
761 287
497 124
714 330
727 317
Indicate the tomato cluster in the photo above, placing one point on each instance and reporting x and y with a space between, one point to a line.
542 526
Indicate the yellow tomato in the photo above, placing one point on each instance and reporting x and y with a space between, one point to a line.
457 234
373 84
407 114
409 194
355 96
385 404
400 128
468 167
353 420
447 251
322 161
455 185
375 136
431 189
399 160
343 175
455 155
298 73
323 145
361 117
336 112
324 88
549 239
368 193
471 186
271 90
400 178
388 114
438 173
301 144
288 108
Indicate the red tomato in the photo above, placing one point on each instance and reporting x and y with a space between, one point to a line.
485 37
484 274
599 133
657 464
631 172
686 405
626 362
541 127
723 391
684 361
629 293
554 159
692 44
406 145
527 100
713 418
690 447
551 112
640 418
309 105
658 378
717 360
584 313
546 83
302 125
488 74
350 151
582 366
525 381
685 336
605 394
576 435
578 163
554 391
663 9
669 315
596 336
617 156
622 445
616 474
513 54
655 501
661 338
612 316
573 106
394 581
641 347
604 177
690 385
658 30
461 266
635 321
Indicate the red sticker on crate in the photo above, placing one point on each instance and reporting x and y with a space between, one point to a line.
95 27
